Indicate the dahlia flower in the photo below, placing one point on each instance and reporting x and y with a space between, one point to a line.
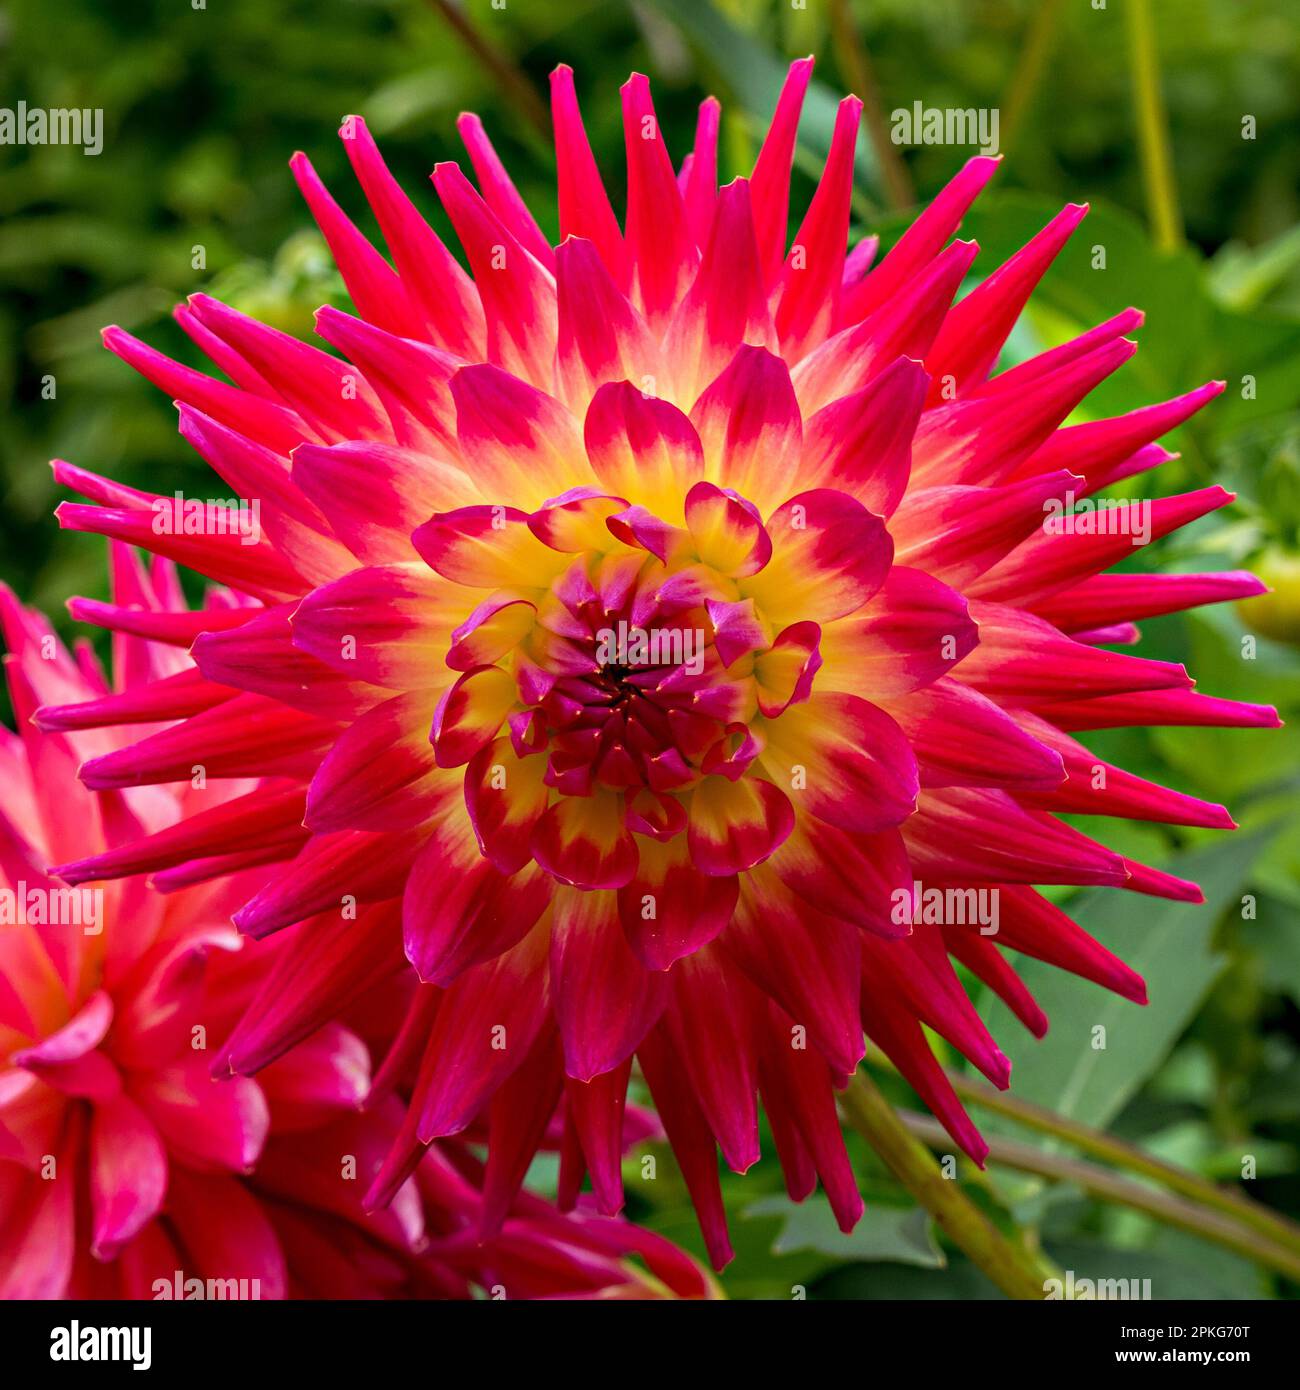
126 1169
633 623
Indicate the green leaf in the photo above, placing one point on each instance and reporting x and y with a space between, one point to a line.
961 1281
1243 276
1279 948
902 1234
1179 1267
1169 944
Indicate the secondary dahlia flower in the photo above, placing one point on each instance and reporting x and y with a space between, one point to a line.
126 1170
634 622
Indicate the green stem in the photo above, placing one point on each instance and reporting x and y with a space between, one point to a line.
511 79
1111 1187
1029 69
1153 129
1015 1270
1236 1205
862 81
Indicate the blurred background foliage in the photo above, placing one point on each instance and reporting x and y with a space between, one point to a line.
203 106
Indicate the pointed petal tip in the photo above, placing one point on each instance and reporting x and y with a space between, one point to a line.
52 719
721 1254
74 872
847 1219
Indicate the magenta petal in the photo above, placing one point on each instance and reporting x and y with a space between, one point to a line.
128 1175
605 998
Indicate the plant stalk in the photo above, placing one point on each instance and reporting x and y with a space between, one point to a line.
1111 1187
861 77
510 77
1018 1272
1153 129
1236 1205
1028 74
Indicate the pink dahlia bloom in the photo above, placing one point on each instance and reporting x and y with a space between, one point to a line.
634 622
126 1170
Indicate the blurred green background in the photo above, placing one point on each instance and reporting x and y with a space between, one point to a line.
202 108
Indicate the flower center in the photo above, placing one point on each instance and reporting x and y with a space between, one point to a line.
639 665
626 705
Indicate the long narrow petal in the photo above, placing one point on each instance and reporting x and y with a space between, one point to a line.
771 177
922 241
372 283
662 252
459 909
584 205
432 275
606 1000
974 332
726 305
390 625
813 273
602 338
518 293
381 774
